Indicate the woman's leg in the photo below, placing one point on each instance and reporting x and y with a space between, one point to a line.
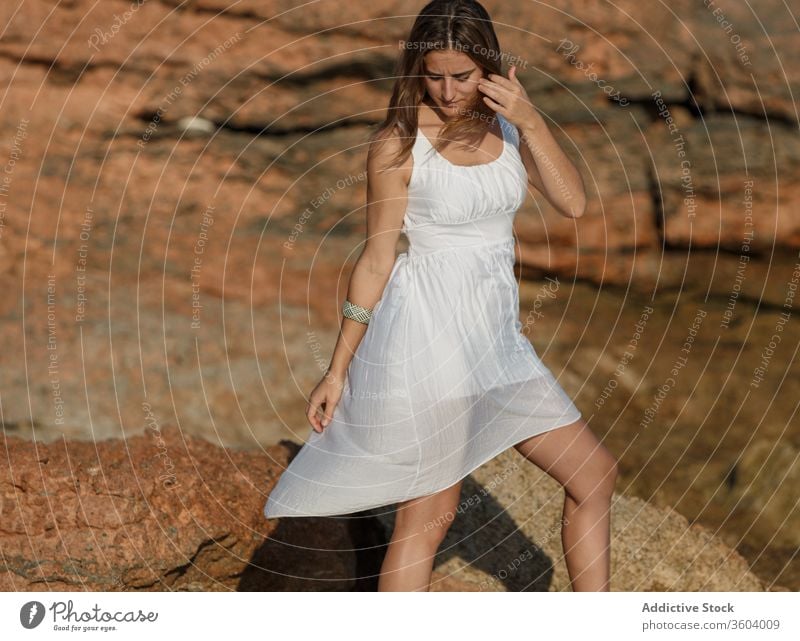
420 526
574 457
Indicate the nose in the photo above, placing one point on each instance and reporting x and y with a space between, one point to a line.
449 92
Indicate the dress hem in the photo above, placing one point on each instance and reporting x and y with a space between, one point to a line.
488 458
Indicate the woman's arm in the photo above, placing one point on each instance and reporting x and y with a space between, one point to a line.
387 195
548 167
550 170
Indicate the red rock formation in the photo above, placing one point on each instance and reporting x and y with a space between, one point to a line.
134 151
166 511
162 511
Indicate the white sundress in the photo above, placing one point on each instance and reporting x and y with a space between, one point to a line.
443 380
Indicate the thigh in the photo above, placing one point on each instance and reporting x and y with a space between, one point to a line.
573 456
429 513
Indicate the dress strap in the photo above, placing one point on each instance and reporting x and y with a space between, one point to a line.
422 150
509 131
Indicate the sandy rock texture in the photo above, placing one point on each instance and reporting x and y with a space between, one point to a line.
167 511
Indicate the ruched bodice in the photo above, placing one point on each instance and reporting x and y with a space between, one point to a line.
484 196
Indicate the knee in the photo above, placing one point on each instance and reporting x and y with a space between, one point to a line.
438 531
598 484
612 471
606 476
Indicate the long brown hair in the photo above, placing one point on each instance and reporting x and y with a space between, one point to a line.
460 25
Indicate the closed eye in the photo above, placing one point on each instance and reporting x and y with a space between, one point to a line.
459 78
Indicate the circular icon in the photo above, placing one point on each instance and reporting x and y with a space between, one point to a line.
31 614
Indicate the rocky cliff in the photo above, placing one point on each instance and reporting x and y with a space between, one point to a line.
182 199
167 511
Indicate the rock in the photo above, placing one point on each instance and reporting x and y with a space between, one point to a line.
167 511
506 536
765 482
255 168
162 511
198 125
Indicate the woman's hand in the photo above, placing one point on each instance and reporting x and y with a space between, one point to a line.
508 97
323 400
548 167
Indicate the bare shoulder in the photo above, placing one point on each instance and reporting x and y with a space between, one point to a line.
381 155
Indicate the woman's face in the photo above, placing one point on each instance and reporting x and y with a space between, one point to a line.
451 79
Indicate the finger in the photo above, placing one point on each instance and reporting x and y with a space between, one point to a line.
512 74
311 413
502 81
494 105
328 414
500 93
493 90
493 102
320 419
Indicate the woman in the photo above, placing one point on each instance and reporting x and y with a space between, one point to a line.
431 376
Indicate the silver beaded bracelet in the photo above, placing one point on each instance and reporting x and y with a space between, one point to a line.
356 312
